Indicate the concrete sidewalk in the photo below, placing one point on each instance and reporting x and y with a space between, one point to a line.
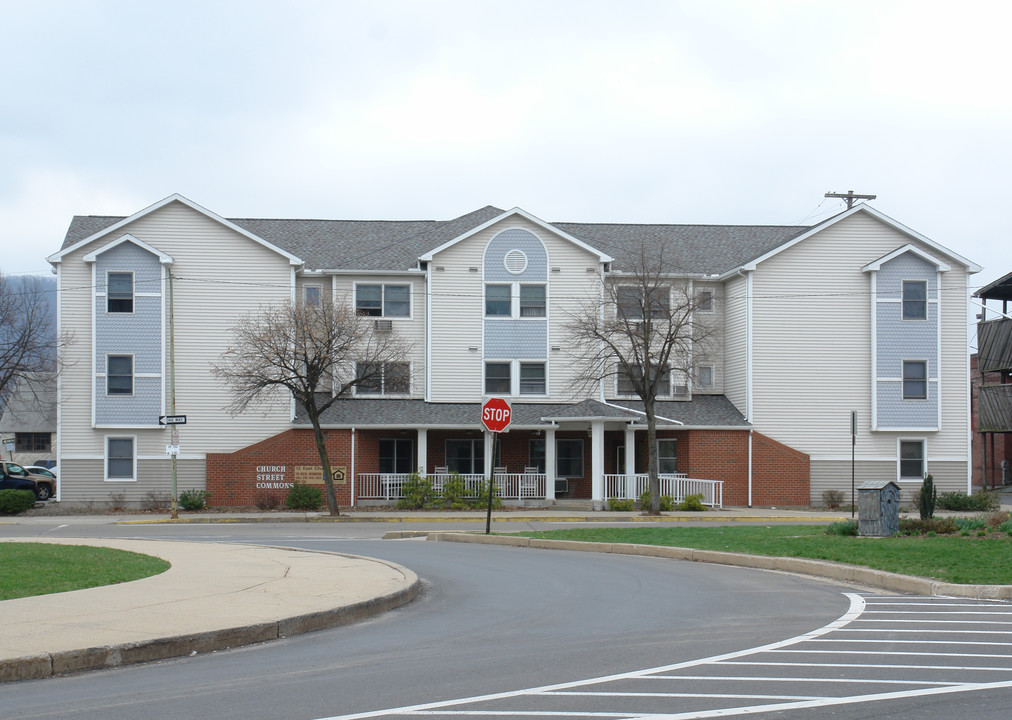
214 596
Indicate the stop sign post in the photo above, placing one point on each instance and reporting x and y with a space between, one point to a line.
496 414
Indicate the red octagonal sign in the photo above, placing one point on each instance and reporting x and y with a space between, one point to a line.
496 414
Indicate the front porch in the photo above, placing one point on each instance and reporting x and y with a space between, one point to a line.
525 487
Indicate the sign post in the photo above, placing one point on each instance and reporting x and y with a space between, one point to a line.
496 414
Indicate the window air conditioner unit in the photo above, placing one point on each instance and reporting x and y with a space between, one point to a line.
384 325
681 391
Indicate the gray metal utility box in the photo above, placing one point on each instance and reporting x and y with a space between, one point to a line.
878 508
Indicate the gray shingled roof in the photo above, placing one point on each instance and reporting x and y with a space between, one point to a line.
701 411
397 244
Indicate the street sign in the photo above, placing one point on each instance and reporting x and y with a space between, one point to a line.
171 450
172 420
496 414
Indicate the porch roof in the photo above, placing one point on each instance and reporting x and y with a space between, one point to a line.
701 411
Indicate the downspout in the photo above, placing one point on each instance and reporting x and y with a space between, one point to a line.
750 431
353 467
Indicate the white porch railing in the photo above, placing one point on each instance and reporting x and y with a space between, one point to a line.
509 486
677 485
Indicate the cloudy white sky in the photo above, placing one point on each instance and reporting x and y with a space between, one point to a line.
705 111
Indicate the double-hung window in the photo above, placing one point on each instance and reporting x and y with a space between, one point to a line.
912 460
915 379
466 457
120 458
532 301
120 292
915 300
311 294
628 382
635 302
498 301
383 379
119 375
532 378
383 300
704 301
667 456
704 376
497 378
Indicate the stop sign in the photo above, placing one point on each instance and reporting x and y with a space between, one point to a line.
496 414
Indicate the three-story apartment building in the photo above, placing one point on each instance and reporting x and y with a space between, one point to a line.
856 314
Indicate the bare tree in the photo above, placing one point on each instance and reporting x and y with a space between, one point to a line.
642 331
28 341
317 353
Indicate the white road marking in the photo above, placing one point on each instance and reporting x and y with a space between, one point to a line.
673 674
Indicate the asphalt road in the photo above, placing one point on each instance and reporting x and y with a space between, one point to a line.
494 623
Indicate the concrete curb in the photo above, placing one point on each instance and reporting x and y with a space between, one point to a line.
590 517
44 664
868 577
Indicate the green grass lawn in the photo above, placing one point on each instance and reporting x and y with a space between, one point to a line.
41 568
967 560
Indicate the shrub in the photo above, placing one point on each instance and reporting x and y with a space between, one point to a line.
844 528
960 501
304 497
481 500
832 498
418 493
194 499
267 501
13 502
117 500
667 502
455 494
997 520
967 524
939 526
156 500
692 503
621 505
927 498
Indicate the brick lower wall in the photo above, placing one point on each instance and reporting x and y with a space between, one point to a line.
261 474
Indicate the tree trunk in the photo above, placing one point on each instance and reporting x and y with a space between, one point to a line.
321 448
653 480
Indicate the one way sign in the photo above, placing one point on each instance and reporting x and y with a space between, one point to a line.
172 420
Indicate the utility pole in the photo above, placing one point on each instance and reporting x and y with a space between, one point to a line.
850 197
172 393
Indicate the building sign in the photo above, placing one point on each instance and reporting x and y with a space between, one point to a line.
313 474
272 477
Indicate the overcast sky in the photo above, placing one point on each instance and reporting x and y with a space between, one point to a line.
633 111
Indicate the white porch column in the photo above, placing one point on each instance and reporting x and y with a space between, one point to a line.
423 452
630 462
550 464
597 464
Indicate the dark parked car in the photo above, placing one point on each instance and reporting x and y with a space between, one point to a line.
43 487
12 482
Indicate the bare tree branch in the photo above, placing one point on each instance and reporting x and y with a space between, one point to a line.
643 331
315 353
29 345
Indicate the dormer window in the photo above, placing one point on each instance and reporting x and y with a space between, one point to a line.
120 292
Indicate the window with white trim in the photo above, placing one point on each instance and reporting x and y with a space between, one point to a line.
465 456
396 455
915 379
912 460
120 458
383 300
119 374
704 301
311 295
532 301
532 378
704 376
498 378
915 300
633 301
667 455
383 379
119 293
627 382
498 300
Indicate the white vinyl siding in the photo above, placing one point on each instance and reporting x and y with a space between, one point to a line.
458 311
812 309
205 253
